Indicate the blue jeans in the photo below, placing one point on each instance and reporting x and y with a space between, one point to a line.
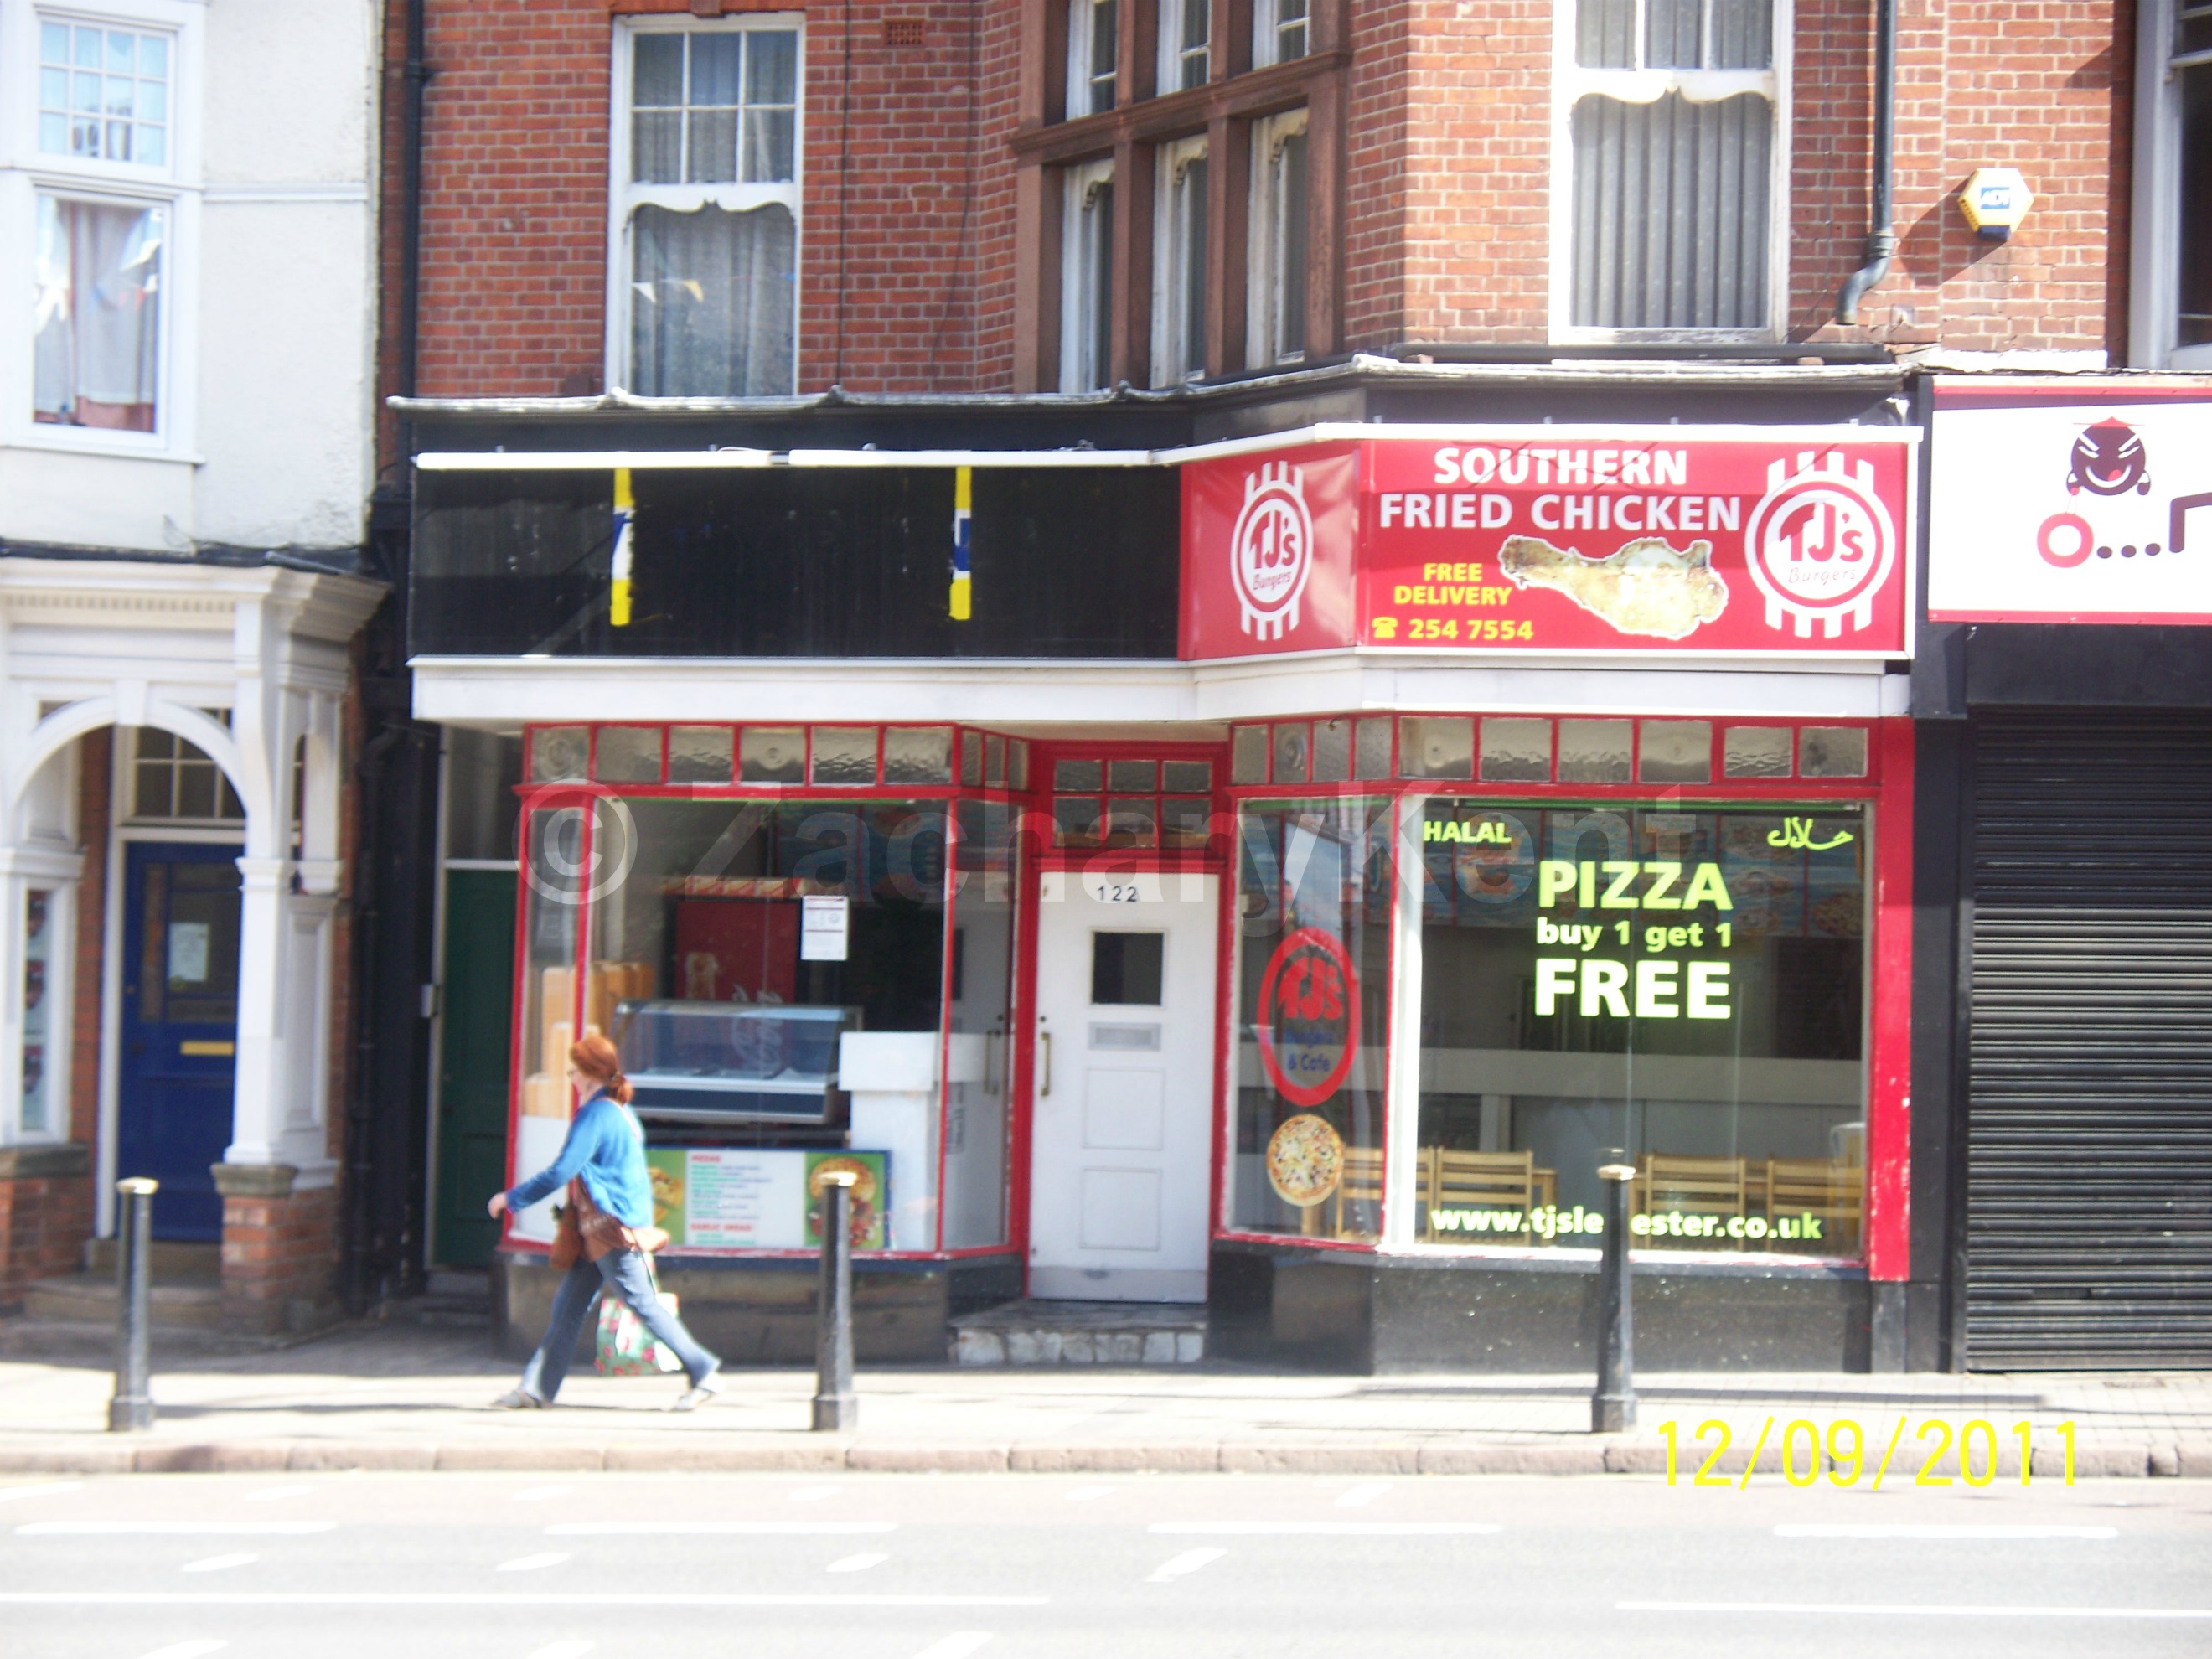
623 1273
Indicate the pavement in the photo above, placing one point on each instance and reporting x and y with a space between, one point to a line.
404 1395
350 1565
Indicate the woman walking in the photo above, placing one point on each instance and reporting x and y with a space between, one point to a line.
610 1204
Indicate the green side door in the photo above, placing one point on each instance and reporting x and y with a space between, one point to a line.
478 999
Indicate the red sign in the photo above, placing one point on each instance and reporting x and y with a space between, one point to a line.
1545 540
1309 1021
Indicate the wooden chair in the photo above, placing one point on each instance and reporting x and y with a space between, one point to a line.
1832 1189
1453 1180
1690 1186
1359 1182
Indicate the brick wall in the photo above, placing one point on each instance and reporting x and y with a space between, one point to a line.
908 255
44 1222
278 1253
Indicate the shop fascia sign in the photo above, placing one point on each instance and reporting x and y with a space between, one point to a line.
2081 500
1545 541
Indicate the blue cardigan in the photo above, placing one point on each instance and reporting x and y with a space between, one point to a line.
606 1146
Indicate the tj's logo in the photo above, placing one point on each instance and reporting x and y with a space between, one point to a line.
1271 550
2109 460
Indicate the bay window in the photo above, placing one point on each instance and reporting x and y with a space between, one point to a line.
2171 309
707 148
1179 258
1669 132
1087 279
1275 326
1094 56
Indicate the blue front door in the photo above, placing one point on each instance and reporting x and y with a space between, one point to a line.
179 1027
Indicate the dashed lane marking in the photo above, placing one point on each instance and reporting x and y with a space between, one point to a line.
272 1494
1962 1529
717 1528
173 1528
1323 1528
1902 1610
219 1563
1181 1566
195 1650
644 1602
45 1489
958 1645
1088 1494
533 1563
859 1563
1361 1495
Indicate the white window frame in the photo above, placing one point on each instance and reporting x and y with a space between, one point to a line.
1080 18
1570 82
625 197
1263 277
1268 26
2154 297
1170 270
1077 372
176 187
1170 68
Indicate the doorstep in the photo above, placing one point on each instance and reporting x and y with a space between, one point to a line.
91 1299
1040 1333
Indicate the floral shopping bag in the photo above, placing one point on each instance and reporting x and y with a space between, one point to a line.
626 1348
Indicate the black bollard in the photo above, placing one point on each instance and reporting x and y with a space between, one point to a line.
834 1405
1612 1408
132 1407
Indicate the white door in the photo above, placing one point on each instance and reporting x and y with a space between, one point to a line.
1122 1099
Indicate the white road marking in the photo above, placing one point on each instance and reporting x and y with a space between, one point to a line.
958 1645
1364 1493
859 1563
173 1528
271 1494
533 1563
1088 1494
9 1494
1321 1528
645 1601
812 1494
1179 1566
716 1529
1964 1529
562 1650
188 1650
539 1494
219 1563
1869 1609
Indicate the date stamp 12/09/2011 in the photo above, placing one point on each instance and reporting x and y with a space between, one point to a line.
1970 1453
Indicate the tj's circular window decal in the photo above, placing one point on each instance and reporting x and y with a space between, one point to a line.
1306 1157
1309 1019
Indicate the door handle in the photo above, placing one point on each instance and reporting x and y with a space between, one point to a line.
1044 1063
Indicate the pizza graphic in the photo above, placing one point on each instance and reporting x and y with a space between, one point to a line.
1305 1157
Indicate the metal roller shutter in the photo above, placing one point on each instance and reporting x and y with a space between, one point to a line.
2089 1141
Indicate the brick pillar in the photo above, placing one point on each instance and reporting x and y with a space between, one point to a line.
279 1249
45 1214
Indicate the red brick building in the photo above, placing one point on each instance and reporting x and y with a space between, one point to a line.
798 400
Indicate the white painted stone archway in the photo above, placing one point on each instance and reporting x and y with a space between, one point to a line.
86 644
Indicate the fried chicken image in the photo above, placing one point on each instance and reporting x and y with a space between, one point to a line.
1645 587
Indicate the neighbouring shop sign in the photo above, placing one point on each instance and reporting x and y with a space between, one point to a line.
2073 501
1552 539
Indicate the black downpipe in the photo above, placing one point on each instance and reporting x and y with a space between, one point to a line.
415 76
1881 239
393 865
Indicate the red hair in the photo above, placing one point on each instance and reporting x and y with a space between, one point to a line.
599 1060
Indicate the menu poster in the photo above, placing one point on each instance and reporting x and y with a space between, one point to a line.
666 1167
735 1198
870 1209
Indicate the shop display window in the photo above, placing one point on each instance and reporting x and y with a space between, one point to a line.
796 985
1684 983
1313 982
